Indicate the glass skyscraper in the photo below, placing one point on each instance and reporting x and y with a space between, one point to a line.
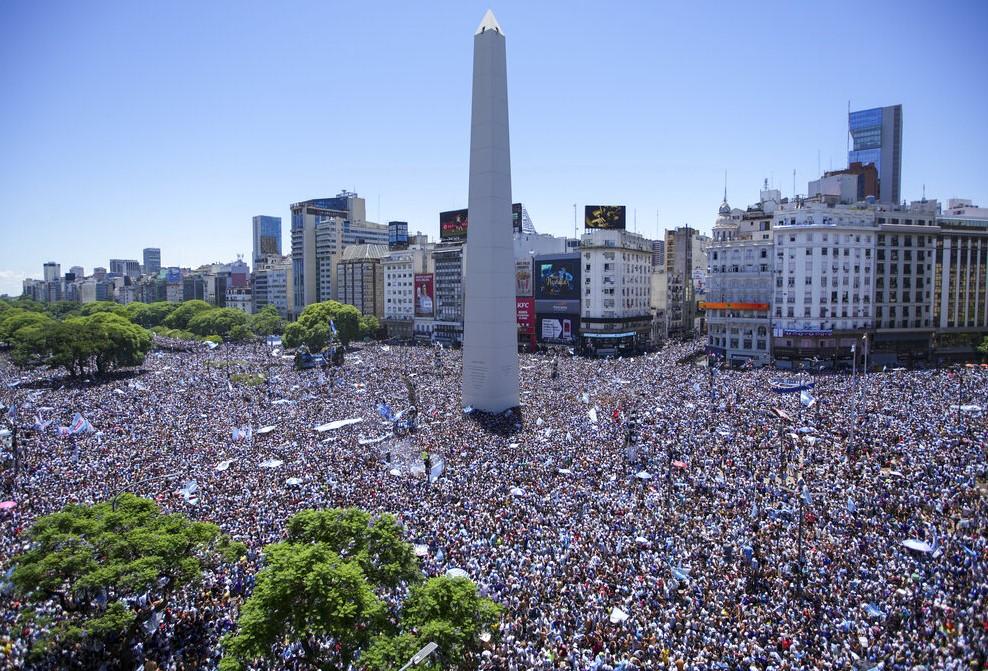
267 237
877 139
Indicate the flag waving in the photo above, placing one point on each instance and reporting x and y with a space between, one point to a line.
806 398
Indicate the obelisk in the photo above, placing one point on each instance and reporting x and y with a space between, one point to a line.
490 333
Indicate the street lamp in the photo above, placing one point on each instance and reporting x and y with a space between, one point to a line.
420 656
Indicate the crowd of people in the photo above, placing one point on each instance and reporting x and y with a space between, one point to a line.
637 513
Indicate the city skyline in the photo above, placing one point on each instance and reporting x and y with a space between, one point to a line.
133 127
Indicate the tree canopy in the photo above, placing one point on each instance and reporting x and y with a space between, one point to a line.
327 583
312 327
150 315
97 560
267 321
183 314
217 321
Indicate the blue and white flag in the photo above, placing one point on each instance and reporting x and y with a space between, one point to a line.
12 412
39 424
80 425
332 326
807 497
806 398
852 507
385 411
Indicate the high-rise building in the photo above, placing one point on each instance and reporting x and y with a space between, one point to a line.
78 271
53 271
360 278
267 237
401 268
658 253
490 352
152 260
877 139
273 284
616 269
686 266
125 267
321 229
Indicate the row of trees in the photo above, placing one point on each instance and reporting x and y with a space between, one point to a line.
324 589
312 328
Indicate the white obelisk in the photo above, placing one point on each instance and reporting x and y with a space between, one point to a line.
490 333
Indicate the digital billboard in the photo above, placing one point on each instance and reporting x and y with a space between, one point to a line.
425 295
453 225
398 235
558 329
557 278
516 217
523 277
604 216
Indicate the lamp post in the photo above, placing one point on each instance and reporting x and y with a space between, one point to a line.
420 656
166 476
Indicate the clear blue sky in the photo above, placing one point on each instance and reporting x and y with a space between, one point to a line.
126 125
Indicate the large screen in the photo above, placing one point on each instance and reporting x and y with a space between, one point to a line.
558 329
398 235
453 225
425 295
516 217
557 278
604 216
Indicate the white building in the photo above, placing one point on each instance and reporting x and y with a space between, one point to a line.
616 272
272 282
400 268
824 279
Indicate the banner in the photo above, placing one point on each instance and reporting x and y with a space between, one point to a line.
425 295
525 314
453 225
523 278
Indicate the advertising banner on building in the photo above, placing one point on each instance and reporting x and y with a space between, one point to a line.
523 278
525 314
557 277
425 295
453 225
604 216
397 235
558 329
516 217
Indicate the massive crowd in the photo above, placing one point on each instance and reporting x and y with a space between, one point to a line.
679 549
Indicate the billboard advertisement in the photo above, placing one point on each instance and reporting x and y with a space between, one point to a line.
604 216
523 277
558 329
525 314
516 217
557 277
425 295
453 225
398 235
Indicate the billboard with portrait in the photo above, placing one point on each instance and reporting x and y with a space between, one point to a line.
425 295
453 225
523 277
557 278
604 216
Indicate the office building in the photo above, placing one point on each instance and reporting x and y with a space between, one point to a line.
78 271
53 271
152 260
960 279
446 326
876 136
321 229
659 254
272 284
267 237
125 267
360 278
401 303
616 273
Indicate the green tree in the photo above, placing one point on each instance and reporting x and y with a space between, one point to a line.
312 327
267 321
150 315
180 316
103 306
16 318
63 309
370 327
217 321
115 341
240 333
451 612
96 560
983 347
326 581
